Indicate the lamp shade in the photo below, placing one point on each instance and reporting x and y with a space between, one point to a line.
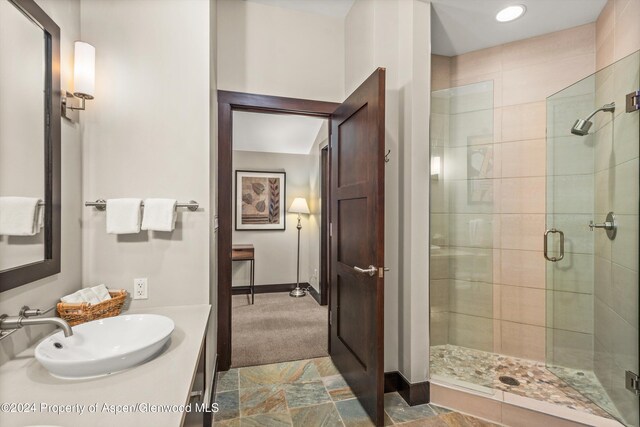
299 205
84 70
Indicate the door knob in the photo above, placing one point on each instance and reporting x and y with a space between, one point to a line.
371 271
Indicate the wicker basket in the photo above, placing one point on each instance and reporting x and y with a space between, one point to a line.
77 313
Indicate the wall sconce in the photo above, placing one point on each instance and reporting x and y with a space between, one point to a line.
84 78
435 167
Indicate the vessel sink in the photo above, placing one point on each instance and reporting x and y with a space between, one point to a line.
105 346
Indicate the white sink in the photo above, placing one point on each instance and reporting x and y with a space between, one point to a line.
104 346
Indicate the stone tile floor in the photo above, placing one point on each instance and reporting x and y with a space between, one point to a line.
579 390
312 393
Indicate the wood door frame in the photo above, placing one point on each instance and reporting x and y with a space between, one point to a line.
227 103
325 197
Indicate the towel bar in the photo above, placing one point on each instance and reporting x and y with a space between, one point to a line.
101 205
41 203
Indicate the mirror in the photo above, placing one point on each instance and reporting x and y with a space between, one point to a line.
22 114
29 144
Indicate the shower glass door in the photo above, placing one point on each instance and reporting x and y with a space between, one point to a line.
462 224
592 270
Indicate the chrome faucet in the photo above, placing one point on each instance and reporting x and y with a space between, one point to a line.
11 323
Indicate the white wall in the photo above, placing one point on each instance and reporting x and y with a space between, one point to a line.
276 250
396 35
45 293
212 332
276 51
146 134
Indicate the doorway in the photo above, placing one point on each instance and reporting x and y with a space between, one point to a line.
356 230
277 315
228 103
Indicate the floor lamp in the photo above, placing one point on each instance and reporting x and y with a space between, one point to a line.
299 206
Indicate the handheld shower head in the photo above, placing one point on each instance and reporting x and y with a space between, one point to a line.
581 126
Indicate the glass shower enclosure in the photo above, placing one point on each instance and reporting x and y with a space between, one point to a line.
589 241
592 237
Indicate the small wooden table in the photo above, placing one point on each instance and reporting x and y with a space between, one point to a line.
246 253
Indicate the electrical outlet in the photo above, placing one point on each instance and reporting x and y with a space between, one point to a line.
140 288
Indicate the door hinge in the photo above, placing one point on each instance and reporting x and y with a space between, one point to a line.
330 318
633 101
330 229
632 382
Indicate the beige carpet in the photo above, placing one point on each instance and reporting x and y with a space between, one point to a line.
277 328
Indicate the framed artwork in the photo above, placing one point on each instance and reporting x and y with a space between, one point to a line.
260 200
479 170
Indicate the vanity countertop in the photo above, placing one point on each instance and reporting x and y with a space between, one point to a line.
165 380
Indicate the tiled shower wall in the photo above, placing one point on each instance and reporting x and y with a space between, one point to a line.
617 31
616 181
523 74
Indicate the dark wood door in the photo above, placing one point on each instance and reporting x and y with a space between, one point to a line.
357 243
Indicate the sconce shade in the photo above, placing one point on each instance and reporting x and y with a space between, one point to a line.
299 206
84 70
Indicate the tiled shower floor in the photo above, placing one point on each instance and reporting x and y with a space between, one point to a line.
536 381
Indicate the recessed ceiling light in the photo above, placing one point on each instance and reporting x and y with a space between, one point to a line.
510 13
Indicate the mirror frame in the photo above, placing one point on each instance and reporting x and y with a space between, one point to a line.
50 265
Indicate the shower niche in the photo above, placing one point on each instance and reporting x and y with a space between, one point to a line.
534 235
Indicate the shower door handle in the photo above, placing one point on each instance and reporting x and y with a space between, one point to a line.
546 235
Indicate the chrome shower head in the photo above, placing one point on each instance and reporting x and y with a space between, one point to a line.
581 126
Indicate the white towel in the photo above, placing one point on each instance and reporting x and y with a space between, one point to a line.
123 216
92 295
72 298
88 295
20 216
159 214
102 292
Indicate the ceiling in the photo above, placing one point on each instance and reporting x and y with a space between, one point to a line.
336 8
274 133
461 26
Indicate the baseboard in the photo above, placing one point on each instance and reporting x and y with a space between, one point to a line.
314 293
413 394
266 289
